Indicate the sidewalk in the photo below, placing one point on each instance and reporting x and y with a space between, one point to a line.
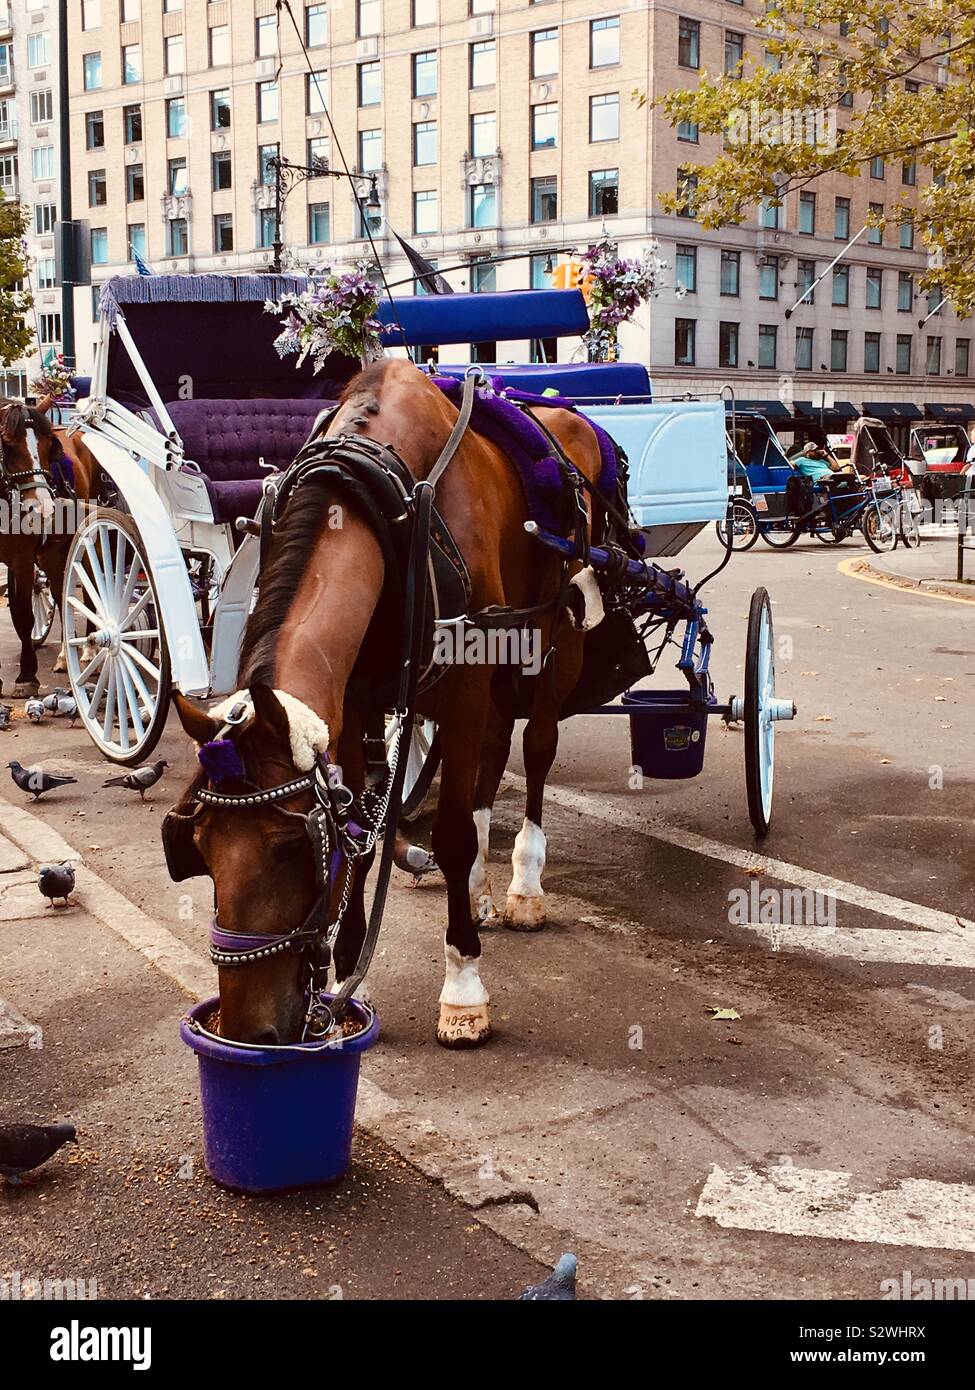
931 567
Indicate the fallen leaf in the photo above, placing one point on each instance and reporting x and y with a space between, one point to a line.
722 1015
755 871
823 719
885 762
809 673
940 699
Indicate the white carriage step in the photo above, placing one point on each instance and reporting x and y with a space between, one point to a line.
610 810
819 1202
871 945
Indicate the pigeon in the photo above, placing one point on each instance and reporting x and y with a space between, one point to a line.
141 779
36 781
67 705
5 712
559 1287
413 859
56 881
34 709
50 702
25 1147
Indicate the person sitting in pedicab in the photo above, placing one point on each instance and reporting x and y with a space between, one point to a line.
822 470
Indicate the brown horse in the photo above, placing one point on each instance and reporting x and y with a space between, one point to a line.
318 596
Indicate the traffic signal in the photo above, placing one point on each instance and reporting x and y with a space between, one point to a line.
569 275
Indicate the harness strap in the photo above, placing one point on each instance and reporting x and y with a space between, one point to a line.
458 432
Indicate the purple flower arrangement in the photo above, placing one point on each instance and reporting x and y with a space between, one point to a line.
615 288
335 314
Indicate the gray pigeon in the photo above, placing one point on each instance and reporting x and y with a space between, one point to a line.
50 702
36 781
68 705
34 709
413 859
25 1147
56 881
141 779
5 712
559 1287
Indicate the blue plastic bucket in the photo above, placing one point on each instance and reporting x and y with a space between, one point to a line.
277 1117
667 733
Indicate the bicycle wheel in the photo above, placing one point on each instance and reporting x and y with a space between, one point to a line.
781 539
879 525
744 526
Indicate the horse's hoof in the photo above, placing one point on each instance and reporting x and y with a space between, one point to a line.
524 914
463 1025
60 666
26 690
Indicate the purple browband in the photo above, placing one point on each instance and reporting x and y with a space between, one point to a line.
239 941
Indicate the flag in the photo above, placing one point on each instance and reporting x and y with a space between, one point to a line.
140 264
424 271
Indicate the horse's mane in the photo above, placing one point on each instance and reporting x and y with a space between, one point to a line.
15 417
297 530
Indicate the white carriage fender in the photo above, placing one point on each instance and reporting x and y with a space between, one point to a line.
167 567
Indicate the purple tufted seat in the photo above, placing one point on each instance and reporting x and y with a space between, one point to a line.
228 439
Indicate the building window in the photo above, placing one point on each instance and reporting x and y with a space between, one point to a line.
266 227
220 109
933 361
544 199
877 167
41 107
318 152
174 54
132 124
131 9
9 169
370 150
99 245
370 84
176 118
266 172
545 125
45 215
484 352
49 329
734 53
368 18
807 213
841 285
484 277
6 64
177 178
135 183
483 64
92 65
768 336
91 14
483 205
423 12
219 45
368 221
544 52
838 349
962 355
316 25
46 273
317 92
425 74
222 170
266 36
137 240
770 214
688 130
223 232
178 238
768 278
685 267
604 192
319 226
905 291
686 193
772 62
841 219
540 276
903 358
97 188
604 117
804 349
484 134
906 235
131 63
871 352
268 104
875 288
688 43
875 236
730 272
38 51
727 345
424 143
909 173
426 218
684 342
806 275
42 163
94 130
604 42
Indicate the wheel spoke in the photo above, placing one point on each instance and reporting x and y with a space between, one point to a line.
147 666
129 617
96 660
97 575
130 697
82 608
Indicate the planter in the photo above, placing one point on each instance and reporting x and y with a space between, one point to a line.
277 1117
667 733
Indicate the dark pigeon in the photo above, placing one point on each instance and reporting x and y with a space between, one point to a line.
141 779
5 712
25 1147
56 881
36 781
559 1287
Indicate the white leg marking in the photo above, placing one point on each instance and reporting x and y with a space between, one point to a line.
482 899
62 662
525 906
585 581
462 982
361 992
464 1018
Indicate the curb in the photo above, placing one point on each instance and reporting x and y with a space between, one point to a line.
863 570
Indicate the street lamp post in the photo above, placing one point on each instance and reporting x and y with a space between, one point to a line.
287 176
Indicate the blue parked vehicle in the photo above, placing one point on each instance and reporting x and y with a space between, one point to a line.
773 501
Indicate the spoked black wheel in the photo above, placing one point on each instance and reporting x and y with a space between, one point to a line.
761 712
782 536
743 522
880 525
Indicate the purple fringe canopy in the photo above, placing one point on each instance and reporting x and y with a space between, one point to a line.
221 761
194 289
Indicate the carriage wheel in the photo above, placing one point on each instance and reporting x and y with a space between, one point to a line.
761 710
44 608
880 524
744 526
118 661
423 761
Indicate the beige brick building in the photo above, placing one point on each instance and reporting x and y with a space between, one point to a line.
490 127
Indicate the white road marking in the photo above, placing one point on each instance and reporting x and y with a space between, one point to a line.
872 945
813 1202
614 813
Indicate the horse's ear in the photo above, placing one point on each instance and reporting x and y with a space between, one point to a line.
195 721
269 711
44 405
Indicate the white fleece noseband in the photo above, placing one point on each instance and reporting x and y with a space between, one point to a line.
308 734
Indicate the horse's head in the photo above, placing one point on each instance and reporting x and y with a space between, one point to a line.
259 856
29 453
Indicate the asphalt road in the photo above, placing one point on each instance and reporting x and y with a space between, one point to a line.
815 1145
